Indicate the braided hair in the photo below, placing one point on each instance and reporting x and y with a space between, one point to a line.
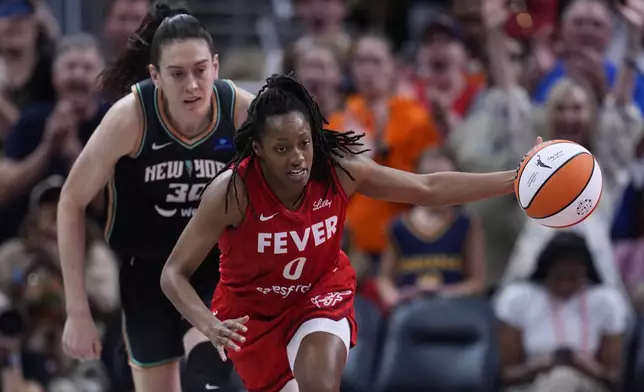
283 94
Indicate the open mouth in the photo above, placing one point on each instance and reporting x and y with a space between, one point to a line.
191 100
298 173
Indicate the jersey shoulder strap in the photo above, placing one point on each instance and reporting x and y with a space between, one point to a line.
226 97
147 97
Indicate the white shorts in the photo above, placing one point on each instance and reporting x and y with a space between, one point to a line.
339 328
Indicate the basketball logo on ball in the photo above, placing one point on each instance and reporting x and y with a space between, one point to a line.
559 183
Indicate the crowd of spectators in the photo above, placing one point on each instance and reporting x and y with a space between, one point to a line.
435 86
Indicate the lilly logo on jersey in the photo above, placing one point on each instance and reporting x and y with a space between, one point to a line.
318 205
282 242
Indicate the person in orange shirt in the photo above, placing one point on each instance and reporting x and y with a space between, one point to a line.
397 130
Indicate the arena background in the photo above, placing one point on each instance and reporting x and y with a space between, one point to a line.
435 85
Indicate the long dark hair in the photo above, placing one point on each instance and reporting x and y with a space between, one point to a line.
280 95
164 23
565 245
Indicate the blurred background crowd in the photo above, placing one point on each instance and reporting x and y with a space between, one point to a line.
471 298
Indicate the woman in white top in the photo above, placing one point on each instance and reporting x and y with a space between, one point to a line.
562 329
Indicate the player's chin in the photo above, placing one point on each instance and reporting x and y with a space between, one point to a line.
193 104
298 176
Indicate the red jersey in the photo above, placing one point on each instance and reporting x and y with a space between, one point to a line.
274 257
282 268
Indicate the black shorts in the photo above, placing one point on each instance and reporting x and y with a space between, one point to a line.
153 329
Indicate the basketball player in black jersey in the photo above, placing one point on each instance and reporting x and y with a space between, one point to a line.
156 149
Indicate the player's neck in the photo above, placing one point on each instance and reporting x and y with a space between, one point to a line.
290 197
189 126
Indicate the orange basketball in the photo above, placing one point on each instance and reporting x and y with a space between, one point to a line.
559 183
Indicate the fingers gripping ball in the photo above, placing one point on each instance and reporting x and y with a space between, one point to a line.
558 184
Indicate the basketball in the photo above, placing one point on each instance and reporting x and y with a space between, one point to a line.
559 183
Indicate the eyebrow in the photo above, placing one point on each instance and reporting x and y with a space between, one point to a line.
285 139
201 62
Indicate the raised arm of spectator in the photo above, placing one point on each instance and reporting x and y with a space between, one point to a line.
47 20
620 123
494 16
633 14
502 119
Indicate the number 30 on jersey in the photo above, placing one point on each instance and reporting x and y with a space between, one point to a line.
184 193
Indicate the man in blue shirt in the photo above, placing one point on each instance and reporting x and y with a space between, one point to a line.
48 137
586 33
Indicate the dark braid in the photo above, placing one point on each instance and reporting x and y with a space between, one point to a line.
280 95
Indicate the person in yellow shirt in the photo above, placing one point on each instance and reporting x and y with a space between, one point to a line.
397 130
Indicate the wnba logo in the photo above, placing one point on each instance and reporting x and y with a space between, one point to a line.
293 270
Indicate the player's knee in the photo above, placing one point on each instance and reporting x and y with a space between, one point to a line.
205 370
314 381
319 363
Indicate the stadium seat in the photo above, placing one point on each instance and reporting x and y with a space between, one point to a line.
358 372
634 366
440 345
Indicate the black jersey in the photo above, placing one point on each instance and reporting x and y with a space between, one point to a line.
154 193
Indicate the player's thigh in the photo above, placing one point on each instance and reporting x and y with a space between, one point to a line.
152 327
262 364
158 378
318 353
290 386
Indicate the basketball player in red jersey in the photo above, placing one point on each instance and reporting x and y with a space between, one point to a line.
283 309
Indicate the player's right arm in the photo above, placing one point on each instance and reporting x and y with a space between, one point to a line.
197 240
114 138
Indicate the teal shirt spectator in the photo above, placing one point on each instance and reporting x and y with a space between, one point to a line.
543 88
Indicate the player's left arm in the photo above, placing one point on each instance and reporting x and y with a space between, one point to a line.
194 244
242 101
437 189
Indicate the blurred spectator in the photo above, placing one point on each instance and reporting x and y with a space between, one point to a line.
432 250
585 35
397 130
324 24
242 65
30 271
629 254
531 16
467 14
444 84
25 61
610 129
38 242
495 135
12 360
563 328
48 137
319 71
122 20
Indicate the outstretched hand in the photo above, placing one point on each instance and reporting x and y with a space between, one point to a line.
537 143
224 334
